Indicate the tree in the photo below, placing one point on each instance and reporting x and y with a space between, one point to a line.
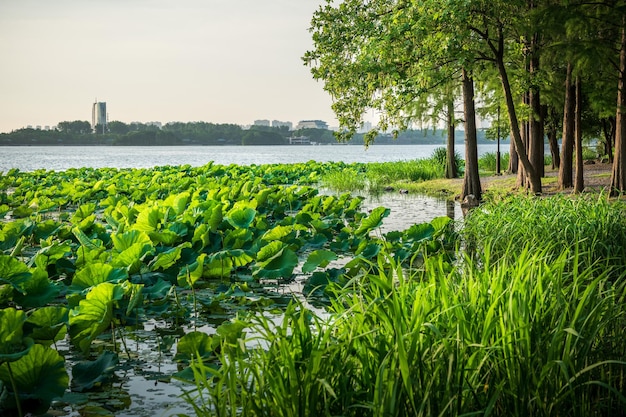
390 56
77 127
618 176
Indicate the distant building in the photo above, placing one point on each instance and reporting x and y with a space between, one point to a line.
278 123
262 123
312 124
99 116
299 140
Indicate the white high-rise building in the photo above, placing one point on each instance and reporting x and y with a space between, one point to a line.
99 116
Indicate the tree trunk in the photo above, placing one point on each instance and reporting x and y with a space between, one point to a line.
608 126
451 169
536 141
531 174
618 177
554 143
567 143
471 180
513 159
579 184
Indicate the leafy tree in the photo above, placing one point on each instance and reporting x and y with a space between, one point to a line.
75 127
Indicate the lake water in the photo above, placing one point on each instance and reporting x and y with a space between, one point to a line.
58 158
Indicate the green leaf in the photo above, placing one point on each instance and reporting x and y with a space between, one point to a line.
194 345
37 291
374 220
149 219
97 273
319 258
93 314
12 343
126 240
272 264
46 324
166 259
89 374
241 217
419 232
38 375
13 272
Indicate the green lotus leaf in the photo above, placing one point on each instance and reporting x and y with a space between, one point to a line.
37 291
241 217
166 259
374 220
131 258
269 251
86 241
88 374
38 375
178 202
97 273
126 240
93 315
201 234
239 257
149 219
189 274
280 265
13 272
238 238
165 237
440 223
134 294
231 331
419 232
368 250
12 343
47 324
213 215
50 254
84 211
159 290
319 258
194 345
218 268
277 233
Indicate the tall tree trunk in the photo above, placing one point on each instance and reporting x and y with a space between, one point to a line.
521 173
513 159
451 169
608 126
554 143
579 184
536 141
567 143
618 177
471 180
531 174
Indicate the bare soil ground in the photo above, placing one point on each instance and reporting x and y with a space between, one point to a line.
597 177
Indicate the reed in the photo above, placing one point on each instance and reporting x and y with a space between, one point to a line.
513 336
595 225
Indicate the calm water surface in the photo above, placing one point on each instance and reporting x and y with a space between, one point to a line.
58 158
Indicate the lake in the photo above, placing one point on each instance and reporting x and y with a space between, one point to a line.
58 158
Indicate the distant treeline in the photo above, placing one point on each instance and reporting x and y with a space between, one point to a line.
200 133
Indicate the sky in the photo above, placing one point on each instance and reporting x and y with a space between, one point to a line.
218 61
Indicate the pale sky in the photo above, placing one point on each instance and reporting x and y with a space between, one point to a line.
218 61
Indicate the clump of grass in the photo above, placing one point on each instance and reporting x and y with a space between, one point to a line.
348 179
596 225
487 162
519 336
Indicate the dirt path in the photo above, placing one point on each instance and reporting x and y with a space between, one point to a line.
597 176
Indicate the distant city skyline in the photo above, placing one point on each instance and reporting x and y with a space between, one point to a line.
197 60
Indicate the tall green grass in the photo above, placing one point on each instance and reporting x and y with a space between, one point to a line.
512 336
374 177
596 226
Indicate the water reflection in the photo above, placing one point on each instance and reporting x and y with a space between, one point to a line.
409 209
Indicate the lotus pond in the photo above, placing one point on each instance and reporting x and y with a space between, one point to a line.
113 280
